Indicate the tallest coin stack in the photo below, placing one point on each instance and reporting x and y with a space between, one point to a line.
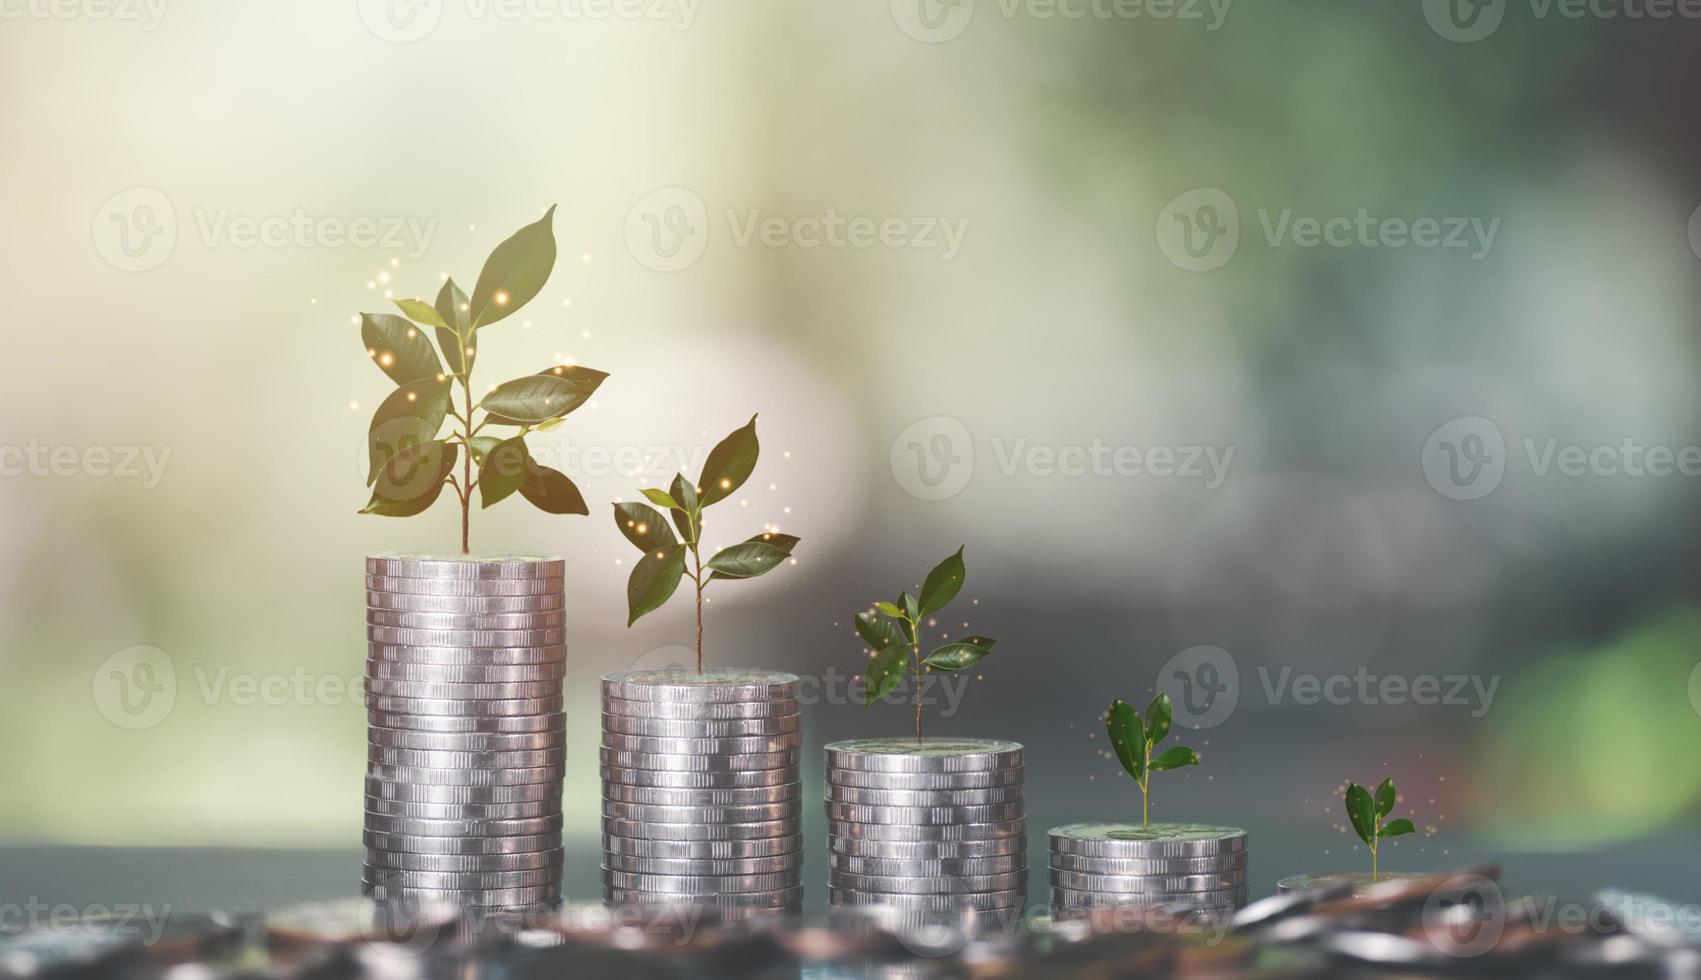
466 734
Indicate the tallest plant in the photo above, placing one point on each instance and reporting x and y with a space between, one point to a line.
411 461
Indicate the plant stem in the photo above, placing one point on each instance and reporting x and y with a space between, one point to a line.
466 463
697 559
1373 865
915 665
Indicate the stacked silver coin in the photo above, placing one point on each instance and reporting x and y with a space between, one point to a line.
939 826
467 740
1191 865
702 803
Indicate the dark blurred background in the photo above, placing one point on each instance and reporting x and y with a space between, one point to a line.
1327 363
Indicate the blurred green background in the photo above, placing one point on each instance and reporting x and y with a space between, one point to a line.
1078 239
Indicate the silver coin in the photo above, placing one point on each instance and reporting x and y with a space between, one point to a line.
982 902
480 863
415 776
1147 885
924 798
787 898
465 604
729 745
939 755
926 850
662 796
466 566
461 880
395 636
911 885
386 670
466 656
700 711
912 816
462 811
700 832
464 725
468 898
465 708
924 781
933 868
722 850
380 824
715 685
379 687
1160 840
675 728
427 759
661 813
701 884
395 738
703 866
470 588
464 795
555 619
699 780
699 763
462 846
1148 866
931 832
1066 898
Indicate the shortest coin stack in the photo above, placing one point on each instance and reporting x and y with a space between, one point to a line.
939 826
1094 865
466 739
701 797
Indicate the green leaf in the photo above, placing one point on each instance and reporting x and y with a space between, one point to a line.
749 559
552 492
683 491
654 580
877 633
643 526
1361 812
911 608
409 417
889 609
885 672
1127 738
504 471
730 463
481 447
420 311
1397 828
541 397
413 480
961 655
1385 797
516 272
399 348
661 498
1158 717
1176 758
457 334
943 584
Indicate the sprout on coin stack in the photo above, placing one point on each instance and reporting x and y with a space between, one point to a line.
467 739
1189 866
702 803
1368 814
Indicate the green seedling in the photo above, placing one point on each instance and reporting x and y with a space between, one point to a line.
1134 740
1367 813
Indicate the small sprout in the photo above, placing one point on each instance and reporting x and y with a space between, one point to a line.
893 631
1367 813
1134 740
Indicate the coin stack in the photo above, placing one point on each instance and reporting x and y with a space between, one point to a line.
1099 865
467 739
702 804
939 826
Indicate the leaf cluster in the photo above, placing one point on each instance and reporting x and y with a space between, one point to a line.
1367 812
1134 739
893 631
